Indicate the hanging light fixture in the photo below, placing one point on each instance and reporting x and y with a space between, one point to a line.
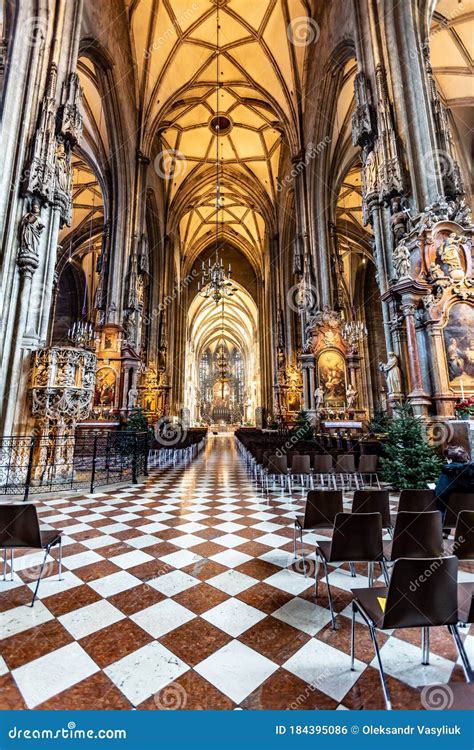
215 281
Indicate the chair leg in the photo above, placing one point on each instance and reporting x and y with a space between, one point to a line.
11 564
425 646
294 541
333 616
39 577
388 702
60 560
352 569
316 575
4 565
462 653
385 572
302 552
370 570
353 622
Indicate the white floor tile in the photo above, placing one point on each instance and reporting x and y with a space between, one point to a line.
403 661
53 673
231 558
100 541
303 615
236 670
72 562
181 559
325 668
145 672
162 617
114 584
232 582
289 581
22 618
130 559
89 619
233 616
173 583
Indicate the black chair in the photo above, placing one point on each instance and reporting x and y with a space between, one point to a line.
20 529
416 535
417 501
422 594
368 468
357 537
373 501
457 502
321 509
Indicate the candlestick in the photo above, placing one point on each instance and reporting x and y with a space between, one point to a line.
462 388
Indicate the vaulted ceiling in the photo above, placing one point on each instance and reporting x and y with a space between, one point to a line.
220 84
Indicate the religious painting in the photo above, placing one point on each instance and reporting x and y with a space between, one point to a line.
332 376
459 345
294 400
105 387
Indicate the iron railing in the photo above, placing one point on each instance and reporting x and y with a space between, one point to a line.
91 459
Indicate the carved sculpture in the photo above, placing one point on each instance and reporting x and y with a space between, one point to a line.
392 374
399 221
401 261
319 397
450 255
351 396
31 229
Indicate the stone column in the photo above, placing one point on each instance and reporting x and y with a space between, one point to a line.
418 397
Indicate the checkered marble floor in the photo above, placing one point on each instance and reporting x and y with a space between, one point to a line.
182 592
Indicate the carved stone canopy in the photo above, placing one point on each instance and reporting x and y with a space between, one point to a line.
62 383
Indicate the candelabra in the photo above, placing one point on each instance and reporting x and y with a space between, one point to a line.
353 334
82 334
215 282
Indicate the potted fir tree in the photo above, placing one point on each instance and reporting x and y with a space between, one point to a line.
409 462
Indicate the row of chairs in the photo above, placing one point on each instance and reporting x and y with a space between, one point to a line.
169 449
312 469
422 590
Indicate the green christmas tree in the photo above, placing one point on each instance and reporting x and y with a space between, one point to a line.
409 461
302 428
137 422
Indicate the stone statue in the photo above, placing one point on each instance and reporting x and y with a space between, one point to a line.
62 168
392 374
370 173
450 255
132 398
319 396
30 232
401 261
351 396
399 220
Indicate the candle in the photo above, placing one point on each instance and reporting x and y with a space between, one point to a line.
462 388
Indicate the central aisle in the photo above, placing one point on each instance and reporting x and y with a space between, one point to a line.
181 592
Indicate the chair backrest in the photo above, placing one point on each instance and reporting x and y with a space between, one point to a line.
417 535
418 501
323 463
457 502
277 465
368 463
19 526
463 546
357 537
422 592
301 465
345 464
290 455
373 501
322 507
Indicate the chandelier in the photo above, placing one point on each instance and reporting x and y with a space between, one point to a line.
353 333
215 282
